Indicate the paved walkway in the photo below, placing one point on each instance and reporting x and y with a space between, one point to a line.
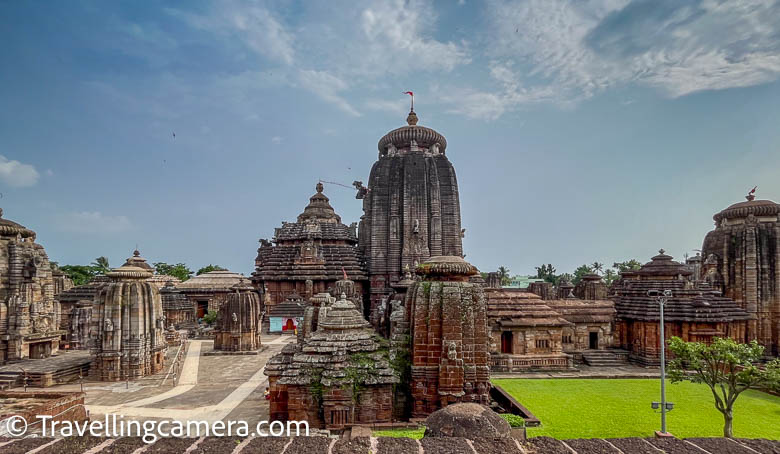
187 381
190 382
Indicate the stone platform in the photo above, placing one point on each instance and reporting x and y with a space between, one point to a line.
229 353
45 372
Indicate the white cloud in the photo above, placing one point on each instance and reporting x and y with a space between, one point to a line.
253 23
93 222
326 86
581 48
488 106
49 172
16 174
398 31
276 140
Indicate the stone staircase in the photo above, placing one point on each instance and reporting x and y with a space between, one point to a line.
605 358
9 379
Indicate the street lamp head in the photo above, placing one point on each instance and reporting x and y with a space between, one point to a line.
655 405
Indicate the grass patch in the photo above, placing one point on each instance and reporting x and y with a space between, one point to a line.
585 408
401 433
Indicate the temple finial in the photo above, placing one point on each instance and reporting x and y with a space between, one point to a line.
752 194
320 187
661 251
411 120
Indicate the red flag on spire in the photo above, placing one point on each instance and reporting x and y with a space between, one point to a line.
345 273
410 93
753 191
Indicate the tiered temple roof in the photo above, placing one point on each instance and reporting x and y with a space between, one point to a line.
513 308
220 280
584 311
689 302
316 247
343 340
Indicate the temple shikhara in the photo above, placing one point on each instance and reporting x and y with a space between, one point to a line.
29 312
742 256
384 320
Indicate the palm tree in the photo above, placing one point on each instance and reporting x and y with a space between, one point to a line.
101 265
597 267
503 274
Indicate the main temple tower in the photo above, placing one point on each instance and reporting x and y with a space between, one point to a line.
742 258
411 208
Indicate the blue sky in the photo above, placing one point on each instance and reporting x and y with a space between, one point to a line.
580 130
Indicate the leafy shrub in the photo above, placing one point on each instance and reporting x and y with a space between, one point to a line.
513 420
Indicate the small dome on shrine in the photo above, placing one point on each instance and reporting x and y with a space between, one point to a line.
130 271
342 315
138 261
319 209
11 228
663 265
446 266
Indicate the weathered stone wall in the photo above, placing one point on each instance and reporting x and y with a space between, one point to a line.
450 344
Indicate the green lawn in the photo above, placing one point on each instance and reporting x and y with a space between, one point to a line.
405 432
572 408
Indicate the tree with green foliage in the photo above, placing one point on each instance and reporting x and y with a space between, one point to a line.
179 270
210 268
79 274
210 317
503 274
101 265
726 366
610 276
581 271
546 272
597 267
628 265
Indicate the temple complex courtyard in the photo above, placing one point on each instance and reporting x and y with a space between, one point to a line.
207 388
617 408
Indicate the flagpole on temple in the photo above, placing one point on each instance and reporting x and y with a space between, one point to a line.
410 93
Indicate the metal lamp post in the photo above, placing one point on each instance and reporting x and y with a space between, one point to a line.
661 297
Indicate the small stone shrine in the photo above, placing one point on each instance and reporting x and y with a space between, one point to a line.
179 311
238 321
449 336
128 325
208 291
337 376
